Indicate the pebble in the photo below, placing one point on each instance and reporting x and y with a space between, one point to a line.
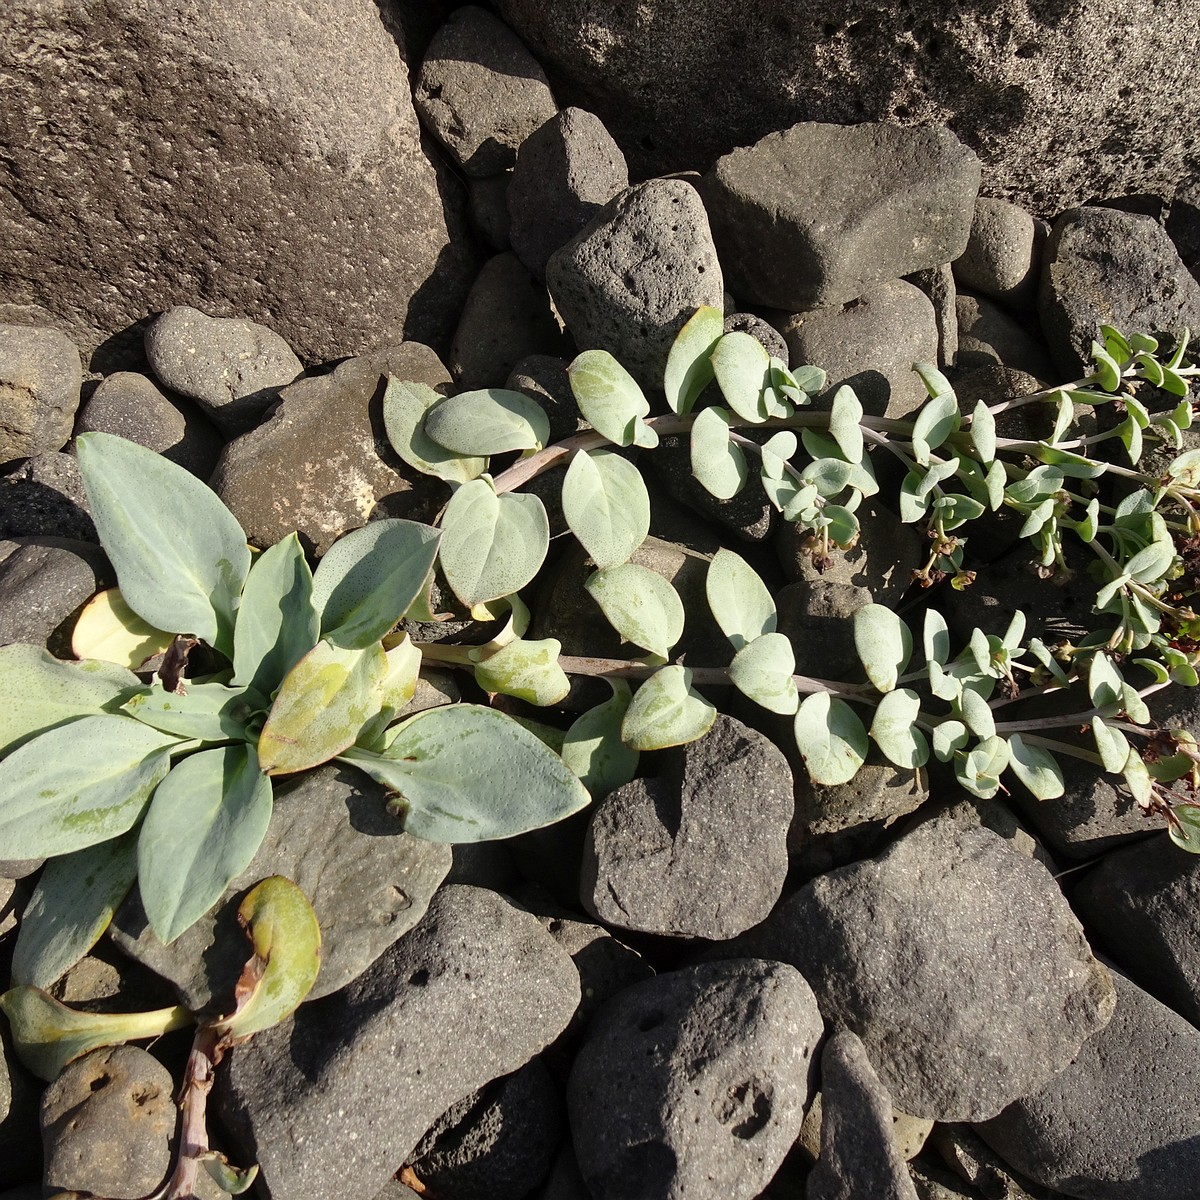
1003 257
988 334
41 374
44 582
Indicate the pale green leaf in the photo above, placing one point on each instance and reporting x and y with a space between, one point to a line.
689 361
763 669
979 770
666 711
405 406
1104 681
1151 562
489 421
1134 706
639 604
842 525
996 480
718 463
831 739
948 736
1185 830
1112 746
593 748
528 670
776 451
844 418
884 644
608 397
936 637
741 603
983 432
895 731
740 364
977 714
936 421
210 712
1036 768
606 505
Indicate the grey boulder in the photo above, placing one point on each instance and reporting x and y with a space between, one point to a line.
44 583
44 497
40 378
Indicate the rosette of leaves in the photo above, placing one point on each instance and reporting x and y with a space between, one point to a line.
169 781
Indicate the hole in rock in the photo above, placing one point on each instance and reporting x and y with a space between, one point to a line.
419 978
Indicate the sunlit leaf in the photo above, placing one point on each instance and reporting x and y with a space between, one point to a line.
936 421
844 418
895 732
666 711
208 711
831 739
405 406
689 366
528 670
983 432
109 629
1112 746
593 748
489 421
948 736
718 463
610 399
606 505
741 603
763 669
639 604
979 770
1036 768
740 364
884 644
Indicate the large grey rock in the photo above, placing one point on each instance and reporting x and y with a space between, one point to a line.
368 883
43 584
203 162
333 1101
480 91
679 83
957 962
877 202
628 281
1116 268
108 1124
1119 1123
44 497
859 1155
1003 257
694 1083
700 848
40 378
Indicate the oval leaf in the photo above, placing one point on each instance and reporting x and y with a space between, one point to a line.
208 711
405 406
1036 768
689 361
884 644
740 601
1112 746
740 364
763 670
609 398
490 421
936 421
895 732
718 463
593 748
831 739
844 425
666 711
606 505
640 605
528 670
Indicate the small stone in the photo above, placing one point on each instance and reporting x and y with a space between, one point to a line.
44 497
480 91
40 377
545 380
764 333
938 285
118 1096
694 1083
986 334
1003 257
877 202
980 1167
233 369
44 582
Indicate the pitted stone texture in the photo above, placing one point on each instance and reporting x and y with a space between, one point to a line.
43 584
1003 258
694 1083
544 379
368 883
133 407
1116 268
859 1155
322 464
628 281
233 369
958 963
566 171
44 497
698 850
40 377
877 202
679 83
1119 1123
1143 903
264 162
115 1097
870 343
987 334
938 285
480 91
980 1168
332 1101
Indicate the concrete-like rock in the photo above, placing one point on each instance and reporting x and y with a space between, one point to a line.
108 1124
480 91
986 334
566 171
700 848
43 584
938 285
1003 257
628 281
40 378
44 497
1119 1123
368 883
694 1083
333 1101
877 202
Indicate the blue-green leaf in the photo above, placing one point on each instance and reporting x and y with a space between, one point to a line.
844 425
1036 768
831 739
763 670
593 748
405 406
640 605
528 670
718 463
689 361
489 421
740 364
210 712
666 711
610 399
895 732
884 644
606 505
741 603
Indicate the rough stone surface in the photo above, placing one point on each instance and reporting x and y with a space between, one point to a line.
566 171
332 1102
545 380
1119 1123
1003 257
480 91
955 959
980 1168
700 848
986 333
43 585
133 407
44 497
859 1155
115 1096
506 318
40 378
628 281
679 83
878 202
1115 268
263 163
694 1083
938 285
322 464
368 883
870 343
232 368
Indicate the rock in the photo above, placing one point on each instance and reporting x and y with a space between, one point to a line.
43 584
133 407
700 848
766 334
870 343
938 285
628 281
44 497
817 616
679 85
980 1167
936 1183
1003 257
368 883
498 1143
506 318
331 1102
288 185
322 464
1105 266
957 962
480 91
566 171
694 1083
908 1133
565 1182
544 379
878 202
233 369
1118 1123
20 1146
1142 902
487 209
859 1155
987 334
40 378
118 1096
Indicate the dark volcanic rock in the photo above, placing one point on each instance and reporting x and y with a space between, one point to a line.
40 378
1003 258
44 582
44 497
